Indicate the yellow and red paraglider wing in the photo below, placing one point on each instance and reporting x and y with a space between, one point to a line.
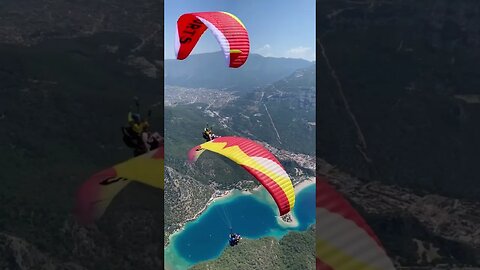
195 153
229 31
259 162
344 239
95 194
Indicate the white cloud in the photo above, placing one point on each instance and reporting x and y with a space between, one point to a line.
301 52
265 50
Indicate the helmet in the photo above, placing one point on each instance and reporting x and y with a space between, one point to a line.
136 117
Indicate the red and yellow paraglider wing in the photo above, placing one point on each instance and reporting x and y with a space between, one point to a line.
195 153
229 31
344 240
95 194
147 168
259 162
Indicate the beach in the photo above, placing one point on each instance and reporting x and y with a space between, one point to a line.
300 186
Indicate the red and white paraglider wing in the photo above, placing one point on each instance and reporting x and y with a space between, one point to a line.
229 31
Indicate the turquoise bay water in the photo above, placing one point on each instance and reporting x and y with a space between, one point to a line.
251 215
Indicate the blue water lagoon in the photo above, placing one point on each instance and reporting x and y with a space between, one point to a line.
252 215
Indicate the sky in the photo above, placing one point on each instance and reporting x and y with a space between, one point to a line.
276 28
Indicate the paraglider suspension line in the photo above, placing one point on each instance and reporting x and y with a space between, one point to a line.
225 217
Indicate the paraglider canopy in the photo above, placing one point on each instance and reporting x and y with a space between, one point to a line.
95 194
229 31
258 161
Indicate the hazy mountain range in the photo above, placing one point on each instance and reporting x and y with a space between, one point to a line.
210 70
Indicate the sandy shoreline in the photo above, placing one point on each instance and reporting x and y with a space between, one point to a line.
305 183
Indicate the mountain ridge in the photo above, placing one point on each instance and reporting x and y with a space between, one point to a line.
209 70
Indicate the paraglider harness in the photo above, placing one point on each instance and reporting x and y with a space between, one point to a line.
208 135
205 135
134 140
234 239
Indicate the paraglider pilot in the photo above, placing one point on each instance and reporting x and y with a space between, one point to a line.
208 134
139 126
234 238
138 136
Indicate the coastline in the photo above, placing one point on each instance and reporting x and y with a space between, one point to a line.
174 261
228 193
304 184
219 195
224 194
293 222
216 196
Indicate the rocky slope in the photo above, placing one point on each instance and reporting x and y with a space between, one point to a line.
396 99
69 70
398 109
31 21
